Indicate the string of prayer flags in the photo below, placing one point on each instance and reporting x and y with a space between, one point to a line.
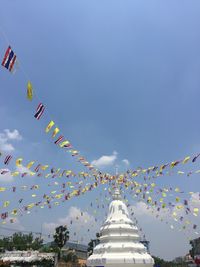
9 59
39 111
29 91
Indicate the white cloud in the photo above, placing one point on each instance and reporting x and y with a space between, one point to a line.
105 161
81 222
126 162
15 135
6 177
194 200
8 136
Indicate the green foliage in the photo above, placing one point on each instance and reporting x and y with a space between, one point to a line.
49 249
162 263
93 243
70 257
61 236
21 241
90 247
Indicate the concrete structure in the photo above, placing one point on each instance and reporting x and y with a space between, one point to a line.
119 240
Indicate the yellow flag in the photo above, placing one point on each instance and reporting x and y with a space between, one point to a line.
196 210
64 143
2 189
56 130
14 212
6 204
186 159
49 126
30 164
15 173
19 162
44 167
29 91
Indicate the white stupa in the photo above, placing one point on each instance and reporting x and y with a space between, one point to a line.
119 240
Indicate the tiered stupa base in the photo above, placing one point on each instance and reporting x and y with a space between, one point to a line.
119 240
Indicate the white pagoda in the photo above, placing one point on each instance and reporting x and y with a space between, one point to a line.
119 240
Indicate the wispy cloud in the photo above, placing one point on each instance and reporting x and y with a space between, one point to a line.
105 160
126 162
6 137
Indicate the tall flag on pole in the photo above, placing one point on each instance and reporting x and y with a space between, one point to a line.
9 59
39 111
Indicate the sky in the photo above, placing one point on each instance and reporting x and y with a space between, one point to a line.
121 78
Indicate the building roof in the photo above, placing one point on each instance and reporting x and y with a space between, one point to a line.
71 245
76 246
26 256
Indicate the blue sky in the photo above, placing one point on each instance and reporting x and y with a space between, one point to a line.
116 76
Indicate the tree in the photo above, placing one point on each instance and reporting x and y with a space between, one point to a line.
93 243
21 241
61 236
71 257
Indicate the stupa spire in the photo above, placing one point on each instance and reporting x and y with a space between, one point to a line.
117 195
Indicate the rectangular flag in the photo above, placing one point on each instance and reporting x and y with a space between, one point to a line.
56 130
9 59
60 138
29 91
49 126
65 144
39 111
7 159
